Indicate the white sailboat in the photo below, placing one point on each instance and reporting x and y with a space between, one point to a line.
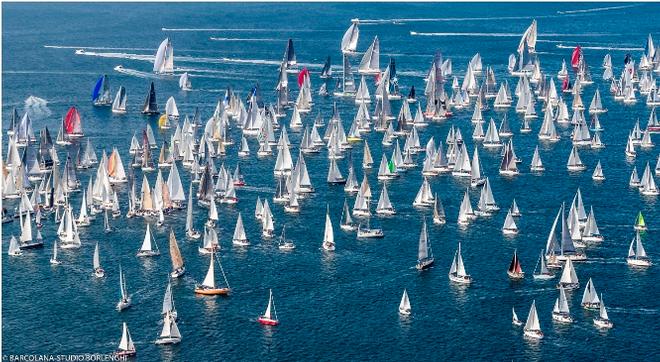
569 279
98 271
149 246
164 60
457 273
514 319
170 333
636 253
404 305
603 320
541 271
590 298
598 173
14 249
328 234
532 326
125 298
240 238
284 243
184 82
126 346
53 259
561 312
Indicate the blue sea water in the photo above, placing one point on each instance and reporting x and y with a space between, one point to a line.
341 305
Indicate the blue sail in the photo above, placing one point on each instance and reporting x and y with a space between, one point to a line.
97 88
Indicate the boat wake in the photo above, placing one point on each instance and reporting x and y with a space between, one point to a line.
508 35
37 108
243 39
251 30
593 10
137 73
562 46
93 48
633 310
258 189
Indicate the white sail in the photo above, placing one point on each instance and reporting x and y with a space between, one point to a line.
532 323
350 39
126 342
164 61
209 280
404 305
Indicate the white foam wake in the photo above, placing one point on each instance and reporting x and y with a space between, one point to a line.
244 39
561 46
507 35
94 48
593 10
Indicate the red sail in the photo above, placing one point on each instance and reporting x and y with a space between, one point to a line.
575 58
70 120
564 85
301 76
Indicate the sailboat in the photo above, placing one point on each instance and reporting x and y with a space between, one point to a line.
404 305
178 269
14 250
346 221
170 333
125 299
119 103
269 318
560 312
208 286
603 320
532 326
326 72
98 271
385 206
439 217
101 92
515 270
164 60
368 231
569 279
425 257
53 259
370 63
510 227
150 106
350 39
184 82
640 224
328 234
149 246
240 238
284 243
636 253
514 319
590 298
541 271
598 173
126 347
457 272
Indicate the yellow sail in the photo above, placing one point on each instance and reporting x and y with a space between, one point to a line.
162 121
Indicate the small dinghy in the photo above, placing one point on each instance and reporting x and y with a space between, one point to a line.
404 305
328 234
269 318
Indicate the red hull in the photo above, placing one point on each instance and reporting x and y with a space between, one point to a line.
268 322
